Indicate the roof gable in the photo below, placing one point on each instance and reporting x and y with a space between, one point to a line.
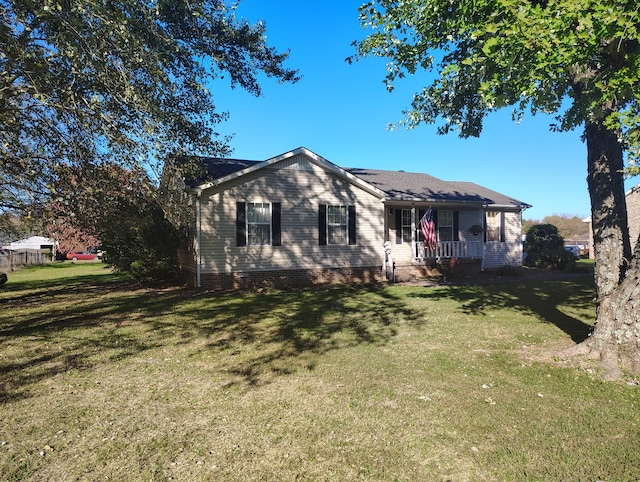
224 170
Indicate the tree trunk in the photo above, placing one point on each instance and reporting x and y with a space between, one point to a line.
608 207
616 336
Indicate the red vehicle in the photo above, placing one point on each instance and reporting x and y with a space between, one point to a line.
82 256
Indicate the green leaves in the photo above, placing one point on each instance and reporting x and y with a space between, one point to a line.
120 81
575 58
489 45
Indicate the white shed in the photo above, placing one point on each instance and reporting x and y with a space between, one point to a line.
34 242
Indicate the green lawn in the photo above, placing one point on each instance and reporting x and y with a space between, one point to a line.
101 379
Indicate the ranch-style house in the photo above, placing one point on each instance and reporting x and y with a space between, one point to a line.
297 219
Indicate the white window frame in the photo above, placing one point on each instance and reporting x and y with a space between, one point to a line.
406 216
257 222
445 225
493 226
337 224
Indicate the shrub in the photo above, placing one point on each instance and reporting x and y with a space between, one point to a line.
545 248
139 241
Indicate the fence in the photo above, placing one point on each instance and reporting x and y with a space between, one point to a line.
12 260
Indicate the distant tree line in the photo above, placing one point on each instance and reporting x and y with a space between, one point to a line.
570 227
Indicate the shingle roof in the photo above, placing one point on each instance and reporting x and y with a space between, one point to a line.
401 185
217 167
397 185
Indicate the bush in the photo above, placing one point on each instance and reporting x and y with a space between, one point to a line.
139 241
545 248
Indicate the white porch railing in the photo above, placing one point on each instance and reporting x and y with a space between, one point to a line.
449 249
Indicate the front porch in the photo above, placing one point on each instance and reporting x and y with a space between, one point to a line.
458 229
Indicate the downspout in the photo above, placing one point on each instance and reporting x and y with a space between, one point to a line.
198 250
384 239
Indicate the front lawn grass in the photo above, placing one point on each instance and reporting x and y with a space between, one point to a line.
101 379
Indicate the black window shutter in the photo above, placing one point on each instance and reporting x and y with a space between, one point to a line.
241 224
322 224
275 224
352 224
456 225
502 227
421 213
398 226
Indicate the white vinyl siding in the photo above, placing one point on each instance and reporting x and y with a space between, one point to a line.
509 252
300 192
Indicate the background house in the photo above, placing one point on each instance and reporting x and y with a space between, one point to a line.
297 219
633 213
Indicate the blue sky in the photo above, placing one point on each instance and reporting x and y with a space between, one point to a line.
341 112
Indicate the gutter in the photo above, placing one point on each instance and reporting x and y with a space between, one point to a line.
436 201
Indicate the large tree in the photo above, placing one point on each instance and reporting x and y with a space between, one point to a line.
116 81
578 59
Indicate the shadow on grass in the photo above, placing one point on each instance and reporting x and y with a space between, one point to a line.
54 326
271 334
541 298
76 323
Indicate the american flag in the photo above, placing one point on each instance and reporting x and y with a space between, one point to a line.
428 228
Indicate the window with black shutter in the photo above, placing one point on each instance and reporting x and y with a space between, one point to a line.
336 224
258 223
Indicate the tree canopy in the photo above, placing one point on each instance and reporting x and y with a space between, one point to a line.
89 82
576 59
579 59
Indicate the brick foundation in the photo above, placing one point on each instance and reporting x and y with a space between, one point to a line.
285 278
303 277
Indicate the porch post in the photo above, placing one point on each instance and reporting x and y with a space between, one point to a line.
413 233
